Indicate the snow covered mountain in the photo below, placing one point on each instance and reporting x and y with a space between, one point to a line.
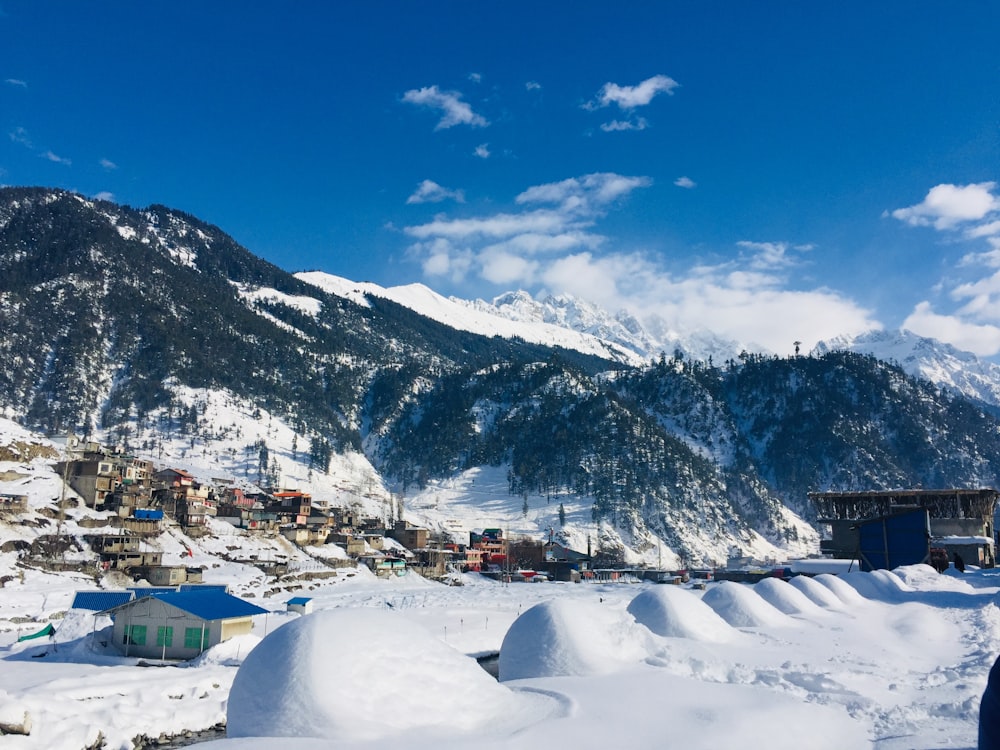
556 320
926 358
479 317
563 320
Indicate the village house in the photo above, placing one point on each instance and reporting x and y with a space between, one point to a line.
290 506
410 536
492 544
122 551
189 503
92 479
181 624
167 575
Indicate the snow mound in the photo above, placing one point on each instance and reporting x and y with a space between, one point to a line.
570 637
926 578
816 592
785 597
842 590
741 607
673 612
229 653
350 675
878 584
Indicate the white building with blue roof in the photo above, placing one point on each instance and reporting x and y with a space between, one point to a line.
180 624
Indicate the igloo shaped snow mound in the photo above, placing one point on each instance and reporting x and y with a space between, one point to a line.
742 607
877 584
675 613
569 637
349 675
842 590
816 592
786 598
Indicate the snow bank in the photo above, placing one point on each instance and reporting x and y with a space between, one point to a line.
350 675
229 653
673 612
786 598
742 607
570 637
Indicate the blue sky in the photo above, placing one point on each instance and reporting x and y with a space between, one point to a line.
771 171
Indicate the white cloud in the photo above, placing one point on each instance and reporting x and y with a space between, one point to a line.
476 77
532 86
982 339
552 245
456 111
771 255
108 164
17 82
685 182
506 268
104 195
56 158
429 191
584 194
970 213
496 226
946 206
482 151
639 123
630 97
20 136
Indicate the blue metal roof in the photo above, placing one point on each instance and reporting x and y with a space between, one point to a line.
211 605
299 600
98 601
141 591
204 587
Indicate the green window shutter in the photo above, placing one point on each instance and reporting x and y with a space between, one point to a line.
135 634
193 638
164 635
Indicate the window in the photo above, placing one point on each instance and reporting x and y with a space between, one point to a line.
195 638
164 635
135 635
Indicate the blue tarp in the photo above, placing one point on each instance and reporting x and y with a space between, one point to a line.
149 514
891 541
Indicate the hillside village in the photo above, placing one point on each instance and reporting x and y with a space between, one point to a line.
134 501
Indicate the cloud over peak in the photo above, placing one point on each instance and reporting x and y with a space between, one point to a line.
454 110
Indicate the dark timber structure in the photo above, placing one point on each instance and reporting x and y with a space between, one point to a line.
961 520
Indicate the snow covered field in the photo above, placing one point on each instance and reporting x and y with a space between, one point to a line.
884 660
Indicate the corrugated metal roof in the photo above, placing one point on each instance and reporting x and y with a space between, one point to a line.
204 587
211 605
299 600
141 591
98 601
